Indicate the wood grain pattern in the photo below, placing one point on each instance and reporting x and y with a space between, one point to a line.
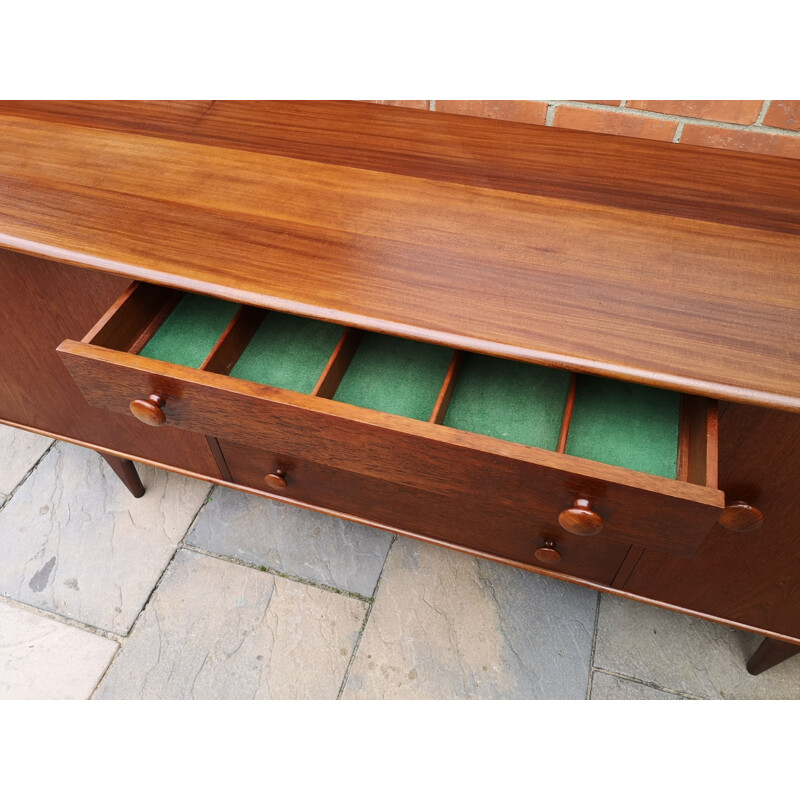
443 518
41 304
548 554
213 445
692 182
751 578
741 517
566 419
684 427
134 318
338 363
149 411
628 565
720 316
446 392
581 519
276 480
535 485
698 441
234 340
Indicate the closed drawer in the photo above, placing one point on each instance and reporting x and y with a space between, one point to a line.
518 439
445 519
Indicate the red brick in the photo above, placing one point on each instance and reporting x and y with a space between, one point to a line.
600 102
773 144
531 111
602 121
423 104
784 114
743 112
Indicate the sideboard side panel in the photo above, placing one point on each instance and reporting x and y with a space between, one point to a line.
41 304
750 578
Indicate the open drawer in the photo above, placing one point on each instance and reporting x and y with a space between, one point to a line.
545 450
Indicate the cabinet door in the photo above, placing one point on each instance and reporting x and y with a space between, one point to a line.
41 303
748 578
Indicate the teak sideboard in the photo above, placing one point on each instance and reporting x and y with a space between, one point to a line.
573 353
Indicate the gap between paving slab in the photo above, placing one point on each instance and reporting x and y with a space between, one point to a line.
214 629
45 659
613 674
22 451
291 541
76 542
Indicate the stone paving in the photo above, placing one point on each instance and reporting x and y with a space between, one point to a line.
196 591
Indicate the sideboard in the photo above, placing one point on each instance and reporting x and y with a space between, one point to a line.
573 353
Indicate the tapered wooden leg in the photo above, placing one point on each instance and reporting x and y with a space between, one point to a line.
770 653
126 472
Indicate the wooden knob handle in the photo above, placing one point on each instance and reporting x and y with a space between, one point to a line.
277 479
581 519
548 553
740 516
149 411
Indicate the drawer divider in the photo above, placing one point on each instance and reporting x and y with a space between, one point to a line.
156 322
712 445
569 405
233 340
446 392
133 320
698 440
684 429
338 363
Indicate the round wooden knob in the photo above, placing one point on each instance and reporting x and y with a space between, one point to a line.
740 516
581 519
277 479
548 554
149 411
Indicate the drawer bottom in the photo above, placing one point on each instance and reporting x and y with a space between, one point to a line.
480 526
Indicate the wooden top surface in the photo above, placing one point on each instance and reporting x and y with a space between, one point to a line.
674 266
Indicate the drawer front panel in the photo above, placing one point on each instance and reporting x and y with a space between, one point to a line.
447 519
524 483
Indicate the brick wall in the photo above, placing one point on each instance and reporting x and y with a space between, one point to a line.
755 126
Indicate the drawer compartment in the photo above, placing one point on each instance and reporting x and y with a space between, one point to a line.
190 331
398 376
509 400
288 352
482 431
625 424
445 519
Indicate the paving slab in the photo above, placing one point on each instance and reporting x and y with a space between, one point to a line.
217 630
41 659
610 687
76 542
448 625
686 654
20 451
293 540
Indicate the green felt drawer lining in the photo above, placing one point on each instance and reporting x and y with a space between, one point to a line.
613 422
190 332
399 376
288 352
509 400
625 424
